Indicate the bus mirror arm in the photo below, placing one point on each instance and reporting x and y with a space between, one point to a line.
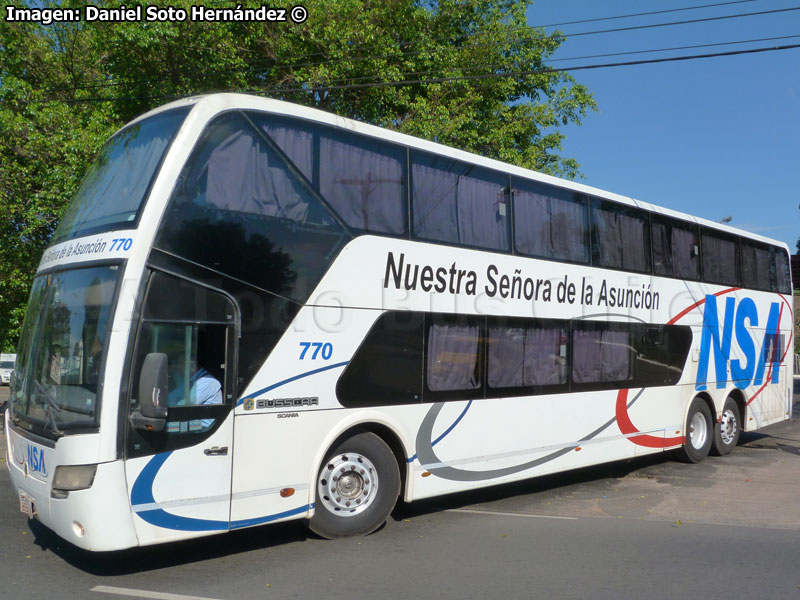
153 392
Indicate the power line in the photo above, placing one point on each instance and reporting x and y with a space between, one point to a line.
672 23
644 14
495 68
526 29
310 88
527 73
673 48
266 66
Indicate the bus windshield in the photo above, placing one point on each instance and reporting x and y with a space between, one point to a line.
61 346
117 182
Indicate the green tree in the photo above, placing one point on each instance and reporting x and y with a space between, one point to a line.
467 73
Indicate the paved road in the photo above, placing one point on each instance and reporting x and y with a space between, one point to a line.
726 528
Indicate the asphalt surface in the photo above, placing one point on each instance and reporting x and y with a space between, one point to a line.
725 528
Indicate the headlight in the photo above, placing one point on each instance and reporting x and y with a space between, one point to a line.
74 477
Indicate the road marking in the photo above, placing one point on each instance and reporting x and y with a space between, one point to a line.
509 514
105 589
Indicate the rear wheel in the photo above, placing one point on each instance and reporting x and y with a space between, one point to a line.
357 488
699 431
726 432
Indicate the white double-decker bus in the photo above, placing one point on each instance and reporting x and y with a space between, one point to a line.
254 311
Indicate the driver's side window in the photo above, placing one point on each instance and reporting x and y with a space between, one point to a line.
194 328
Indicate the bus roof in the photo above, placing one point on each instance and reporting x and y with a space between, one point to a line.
220 102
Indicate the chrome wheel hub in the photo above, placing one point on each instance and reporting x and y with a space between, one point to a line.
698 430
728 427
347 484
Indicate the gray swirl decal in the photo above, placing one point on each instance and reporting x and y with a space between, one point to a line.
427 455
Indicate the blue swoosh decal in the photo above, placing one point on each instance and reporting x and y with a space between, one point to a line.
289 380
142 493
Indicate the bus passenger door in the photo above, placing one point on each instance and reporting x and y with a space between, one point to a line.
179 468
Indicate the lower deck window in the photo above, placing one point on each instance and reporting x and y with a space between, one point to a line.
601 353
526 354
412 357
453 354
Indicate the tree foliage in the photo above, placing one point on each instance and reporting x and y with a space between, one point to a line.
467 73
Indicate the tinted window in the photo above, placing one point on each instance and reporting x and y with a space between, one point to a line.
782 273
523 357
660 352
676 249
174 299
241 209
364 182
720 258
297 141
459 203
387 367
620 237
362 179
526 353
196 339
114 187
773 348
550 222
601 352
758 267
453 362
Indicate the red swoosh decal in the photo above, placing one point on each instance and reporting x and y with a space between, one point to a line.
627 427
624 422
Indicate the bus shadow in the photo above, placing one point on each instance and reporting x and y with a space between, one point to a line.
597 474
151 558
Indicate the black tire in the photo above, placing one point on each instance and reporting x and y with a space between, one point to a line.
356 488
699 432
726 433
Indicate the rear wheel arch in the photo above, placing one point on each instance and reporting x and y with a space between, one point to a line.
738 396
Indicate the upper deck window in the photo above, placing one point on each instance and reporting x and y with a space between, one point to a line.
550 222
363 179
116 184
676 249
720 258
620 237
758 268
240 208
459 203
782 272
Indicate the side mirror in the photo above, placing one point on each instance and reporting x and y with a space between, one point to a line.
153 394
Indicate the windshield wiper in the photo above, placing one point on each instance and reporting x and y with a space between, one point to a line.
51 404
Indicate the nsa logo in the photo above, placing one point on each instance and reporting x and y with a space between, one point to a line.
249 404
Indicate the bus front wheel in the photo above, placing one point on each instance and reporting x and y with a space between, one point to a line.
357 487
699 431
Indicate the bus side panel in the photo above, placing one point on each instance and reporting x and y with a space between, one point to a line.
277 456
472 445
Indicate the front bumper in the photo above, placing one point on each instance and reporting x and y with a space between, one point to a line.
96 519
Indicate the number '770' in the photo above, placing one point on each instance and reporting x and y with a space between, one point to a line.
325 351
121 244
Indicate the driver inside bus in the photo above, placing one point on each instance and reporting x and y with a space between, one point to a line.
204 389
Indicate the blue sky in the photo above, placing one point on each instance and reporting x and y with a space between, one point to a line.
714 137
